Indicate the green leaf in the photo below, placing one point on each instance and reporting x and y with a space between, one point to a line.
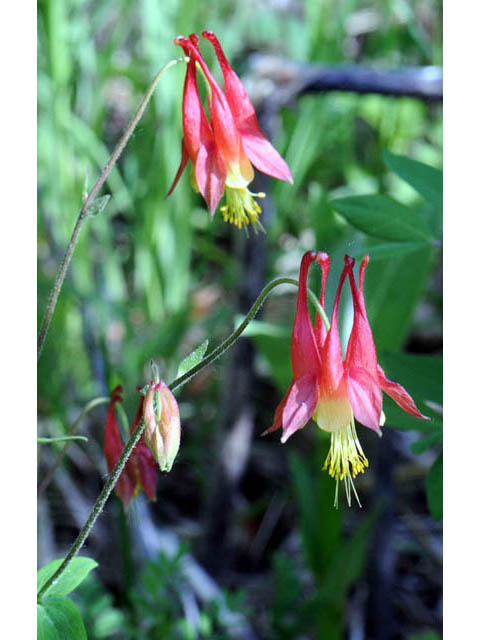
97 206
424 444
422 376
348 563
77 570
388 250
335 562
59 619
62 439
320 522
399 419
434 218
392 290
192 359
427 635
426 180
435 488
383 217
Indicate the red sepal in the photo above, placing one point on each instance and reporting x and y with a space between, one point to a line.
278 417
365 397
113 447
300 406
183 163
398 394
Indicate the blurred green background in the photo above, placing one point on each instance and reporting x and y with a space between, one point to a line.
153 277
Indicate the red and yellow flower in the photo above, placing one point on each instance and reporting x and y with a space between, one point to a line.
331 390
223 149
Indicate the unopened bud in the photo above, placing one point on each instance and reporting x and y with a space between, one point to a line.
162 424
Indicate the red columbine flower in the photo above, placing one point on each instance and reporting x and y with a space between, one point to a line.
222 151
140 471
330 390
162 424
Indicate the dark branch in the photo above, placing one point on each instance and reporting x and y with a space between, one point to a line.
289 80
425 83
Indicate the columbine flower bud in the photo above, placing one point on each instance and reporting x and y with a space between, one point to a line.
162 424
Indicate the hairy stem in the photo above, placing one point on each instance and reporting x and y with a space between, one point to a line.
112 479
62 270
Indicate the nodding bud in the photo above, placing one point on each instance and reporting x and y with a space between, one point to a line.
162 424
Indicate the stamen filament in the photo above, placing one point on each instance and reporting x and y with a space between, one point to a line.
241 208
345 460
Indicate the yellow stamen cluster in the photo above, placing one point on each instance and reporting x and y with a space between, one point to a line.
345 459
241 208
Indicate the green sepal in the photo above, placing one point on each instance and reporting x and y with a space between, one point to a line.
97 206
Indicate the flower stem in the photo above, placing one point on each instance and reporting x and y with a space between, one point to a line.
318 307
112 479
62 270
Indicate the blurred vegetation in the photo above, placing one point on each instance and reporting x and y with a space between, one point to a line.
153 277
158 600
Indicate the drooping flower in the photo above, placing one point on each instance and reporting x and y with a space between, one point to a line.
331 390
140 470
223 149
162 424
